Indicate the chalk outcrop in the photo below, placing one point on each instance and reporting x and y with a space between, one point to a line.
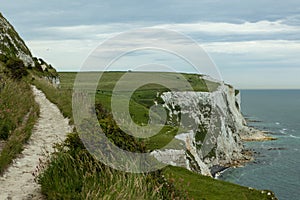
214 128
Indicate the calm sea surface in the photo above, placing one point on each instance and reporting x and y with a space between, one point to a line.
277 163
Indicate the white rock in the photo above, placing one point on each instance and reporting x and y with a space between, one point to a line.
219 112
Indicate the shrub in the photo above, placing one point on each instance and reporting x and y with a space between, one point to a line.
5 129
16 68
3 58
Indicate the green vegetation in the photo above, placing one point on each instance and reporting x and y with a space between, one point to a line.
143 98
73 173
12 67
84 177
18 112
161 139
203 187
61 97
16 69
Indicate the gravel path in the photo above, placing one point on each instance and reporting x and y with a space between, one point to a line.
51 127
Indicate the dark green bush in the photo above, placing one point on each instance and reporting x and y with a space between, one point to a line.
6 126
4 131
16 68
3 58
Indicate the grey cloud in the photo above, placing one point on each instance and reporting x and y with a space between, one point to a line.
65 12
30 15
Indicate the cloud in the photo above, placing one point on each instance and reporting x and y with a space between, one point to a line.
82 38
67 12
222 28
258 47
200 31
242 37
96 32
65 55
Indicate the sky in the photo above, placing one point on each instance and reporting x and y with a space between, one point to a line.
255 44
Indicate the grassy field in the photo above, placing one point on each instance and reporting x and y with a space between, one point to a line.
170 183
142 99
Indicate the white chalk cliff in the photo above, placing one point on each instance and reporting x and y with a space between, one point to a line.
213 127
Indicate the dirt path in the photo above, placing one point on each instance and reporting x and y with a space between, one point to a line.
51 127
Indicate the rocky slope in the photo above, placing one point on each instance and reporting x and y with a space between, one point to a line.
11 44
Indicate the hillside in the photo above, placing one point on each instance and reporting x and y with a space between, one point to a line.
12 45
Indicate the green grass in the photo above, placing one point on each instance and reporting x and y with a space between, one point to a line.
163 138
140 102
61 97
109 79
18 114
203 187
72 173
75 175
143 98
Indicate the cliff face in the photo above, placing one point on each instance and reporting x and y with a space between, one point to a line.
213 125
11 44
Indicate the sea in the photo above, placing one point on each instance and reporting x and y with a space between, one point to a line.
277 163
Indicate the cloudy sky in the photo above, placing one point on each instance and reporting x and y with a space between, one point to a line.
255 44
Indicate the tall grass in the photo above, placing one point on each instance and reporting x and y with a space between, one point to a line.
18 113
79 177
73 173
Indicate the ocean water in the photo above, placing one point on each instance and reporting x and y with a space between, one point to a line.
277 163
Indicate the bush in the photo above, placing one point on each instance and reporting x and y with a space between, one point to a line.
16 68
3 58
5 129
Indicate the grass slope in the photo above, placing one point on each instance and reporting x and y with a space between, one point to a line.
18 114
203 187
